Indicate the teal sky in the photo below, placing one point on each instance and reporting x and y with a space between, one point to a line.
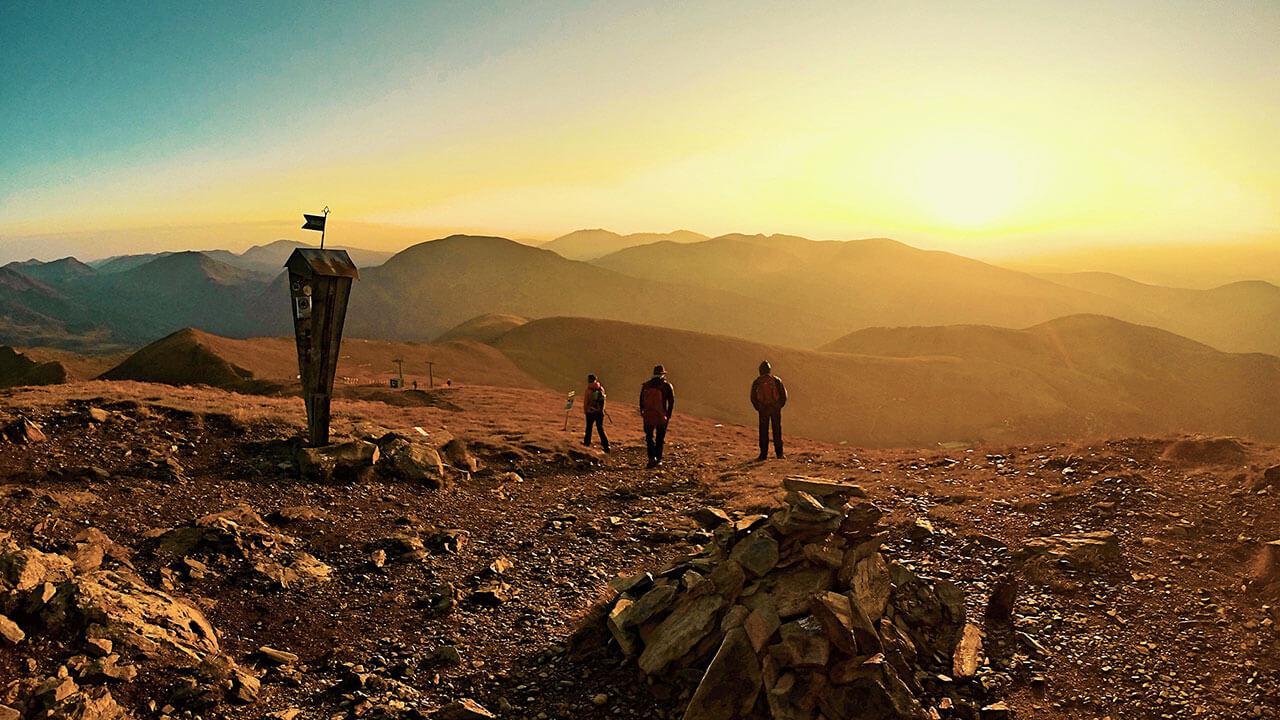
961 125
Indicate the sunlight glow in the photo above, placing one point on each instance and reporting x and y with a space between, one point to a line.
967 187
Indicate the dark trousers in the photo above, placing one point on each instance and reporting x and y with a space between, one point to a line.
596 420
654 435
773 417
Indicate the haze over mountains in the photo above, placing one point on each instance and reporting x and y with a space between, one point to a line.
777 289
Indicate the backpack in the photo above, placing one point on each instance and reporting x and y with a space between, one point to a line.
767 391
652 403
595 401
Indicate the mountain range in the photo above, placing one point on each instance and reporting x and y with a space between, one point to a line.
778 290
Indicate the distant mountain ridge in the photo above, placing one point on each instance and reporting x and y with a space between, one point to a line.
775 289
596 243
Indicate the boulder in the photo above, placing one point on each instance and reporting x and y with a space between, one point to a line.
131 614
459 455
28 568
1004 595
344 461
414 461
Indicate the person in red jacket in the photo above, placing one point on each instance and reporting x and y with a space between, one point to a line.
768 395
593 405
657 398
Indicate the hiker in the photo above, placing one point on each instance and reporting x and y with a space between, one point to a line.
657 398
768 395
593 406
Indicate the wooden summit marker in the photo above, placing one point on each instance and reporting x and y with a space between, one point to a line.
319 286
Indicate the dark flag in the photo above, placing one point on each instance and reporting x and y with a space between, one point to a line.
314 222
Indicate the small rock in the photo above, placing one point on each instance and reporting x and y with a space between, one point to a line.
10 631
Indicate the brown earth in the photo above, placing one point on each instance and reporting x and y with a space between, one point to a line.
1173 629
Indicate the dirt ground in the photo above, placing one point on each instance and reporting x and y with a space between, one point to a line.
1173 631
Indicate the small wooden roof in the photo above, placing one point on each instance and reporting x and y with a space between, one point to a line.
313 261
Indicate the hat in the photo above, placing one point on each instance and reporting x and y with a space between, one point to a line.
765 367
659 370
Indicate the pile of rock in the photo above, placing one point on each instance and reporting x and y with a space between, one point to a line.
106 626
234 540
797 614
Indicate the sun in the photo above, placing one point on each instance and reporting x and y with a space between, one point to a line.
967 187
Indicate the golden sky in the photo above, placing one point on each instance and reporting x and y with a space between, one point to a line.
978 127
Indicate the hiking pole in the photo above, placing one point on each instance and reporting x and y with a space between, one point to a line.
610 417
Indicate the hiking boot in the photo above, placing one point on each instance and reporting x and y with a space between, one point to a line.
780 455
652 464
762 457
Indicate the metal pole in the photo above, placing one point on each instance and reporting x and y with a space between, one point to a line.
323 227
431 377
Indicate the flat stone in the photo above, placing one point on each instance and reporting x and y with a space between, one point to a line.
968 655
870 585
279 657
465 709
835 612
794 587
761 626
820 488
709 517
621 633
676 635
729 687
757 553
802 643
1084 551
860 519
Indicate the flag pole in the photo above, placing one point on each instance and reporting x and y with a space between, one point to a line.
322 227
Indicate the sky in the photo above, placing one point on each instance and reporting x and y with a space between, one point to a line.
976 127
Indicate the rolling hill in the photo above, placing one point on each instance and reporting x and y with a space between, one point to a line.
1075 377
1237 317
270 365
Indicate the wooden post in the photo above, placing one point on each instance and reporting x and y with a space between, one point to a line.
319 287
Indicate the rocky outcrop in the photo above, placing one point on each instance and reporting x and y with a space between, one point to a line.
800 615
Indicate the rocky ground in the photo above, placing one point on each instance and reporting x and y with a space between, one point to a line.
162 554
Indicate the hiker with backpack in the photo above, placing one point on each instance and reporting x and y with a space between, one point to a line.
657 398
768 395
593 406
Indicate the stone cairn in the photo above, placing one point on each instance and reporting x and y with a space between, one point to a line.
797 615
